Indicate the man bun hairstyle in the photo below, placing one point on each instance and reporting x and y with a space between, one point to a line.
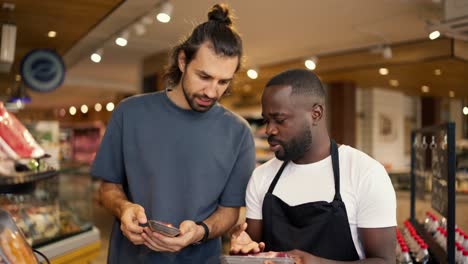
218 31
220 13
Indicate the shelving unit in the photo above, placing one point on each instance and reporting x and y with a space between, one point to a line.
433 153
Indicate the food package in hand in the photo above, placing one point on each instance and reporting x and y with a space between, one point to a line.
15 139
258 258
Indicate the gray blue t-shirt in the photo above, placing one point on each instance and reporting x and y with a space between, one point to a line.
178 164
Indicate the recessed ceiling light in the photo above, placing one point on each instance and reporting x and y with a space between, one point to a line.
394 83
425 89
434 35
98 107
451 94
84 109
52 34
252 73
110 106
72 110
310 64
465 110
437 72
383 71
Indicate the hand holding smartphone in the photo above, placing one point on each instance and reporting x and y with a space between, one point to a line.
163 228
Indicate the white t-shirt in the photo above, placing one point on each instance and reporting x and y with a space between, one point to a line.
365 187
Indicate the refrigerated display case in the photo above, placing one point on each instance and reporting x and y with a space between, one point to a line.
54 215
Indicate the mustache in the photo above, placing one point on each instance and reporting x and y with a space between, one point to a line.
272 140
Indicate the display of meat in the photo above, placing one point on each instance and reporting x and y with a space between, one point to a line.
15 139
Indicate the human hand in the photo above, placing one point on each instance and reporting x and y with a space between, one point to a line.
241 243
132 215
190 233
301 257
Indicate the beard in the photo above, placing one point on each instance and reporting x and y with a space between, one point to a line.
190 97
296 147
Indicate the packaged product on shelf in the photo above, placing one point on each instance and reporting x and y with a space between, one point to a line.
13 247
15 139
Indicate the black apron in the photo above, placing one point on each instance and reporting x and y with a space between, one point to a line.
320 228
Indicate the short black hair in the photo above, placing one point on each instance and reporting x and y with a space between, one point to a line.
218 31
303 82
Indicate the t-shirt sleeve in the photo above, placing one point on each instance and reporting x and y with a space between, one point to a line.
108 164
377 200
253 199
234 191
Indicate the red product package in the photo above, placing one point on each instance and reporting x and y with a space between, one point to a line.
15 139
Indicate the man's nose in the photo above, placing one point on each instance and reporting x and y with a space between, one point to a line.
211 90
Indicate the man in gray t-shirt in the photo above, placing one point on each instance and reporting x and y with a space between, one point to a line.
178 156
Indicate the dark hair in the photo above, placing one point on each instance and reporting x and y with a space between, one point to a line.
302 82
218 30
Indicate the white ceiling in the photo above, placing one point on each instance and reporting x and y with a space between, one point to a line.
272 31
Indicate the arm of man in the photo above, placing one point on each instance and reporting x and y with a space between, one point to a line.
378 243
113 198
223 219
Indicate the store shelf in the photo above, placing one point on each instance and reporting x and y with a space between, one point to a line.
23 181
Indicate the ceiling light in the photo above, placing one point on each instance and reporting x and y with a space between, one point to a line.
72 110
383 71
465 110
451 94
437 72
425 89
110 106
253 74
164 15
62 112
97 56
98 107
84 109
122 40
311 63
52 34
394 83
434 35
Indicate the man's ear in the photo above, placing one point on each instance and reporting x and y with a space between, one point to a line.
181 60
317 113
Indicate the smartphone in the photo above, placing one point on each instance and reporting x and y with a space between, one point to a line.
163 228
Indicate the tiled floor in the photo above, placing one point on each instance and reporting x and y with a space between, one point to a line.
103 220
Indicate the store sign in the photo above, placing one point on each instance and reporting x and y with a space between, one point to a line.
42 70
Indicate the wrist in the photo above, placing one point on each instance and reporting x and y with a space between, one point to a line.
202 232
122 206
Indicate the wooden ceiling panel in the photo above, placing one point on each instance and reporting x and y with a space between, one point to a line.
72 20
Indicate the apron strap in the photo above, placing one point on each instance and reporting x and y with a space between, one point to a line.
336 168
336 171
277 176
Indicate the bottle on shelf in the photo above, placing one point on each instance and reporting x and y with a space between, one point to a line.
465 241
404 257
461 237
458 253
465 257
422 255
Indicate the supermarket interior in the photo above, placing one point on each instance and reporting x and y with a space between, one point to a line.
395 75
